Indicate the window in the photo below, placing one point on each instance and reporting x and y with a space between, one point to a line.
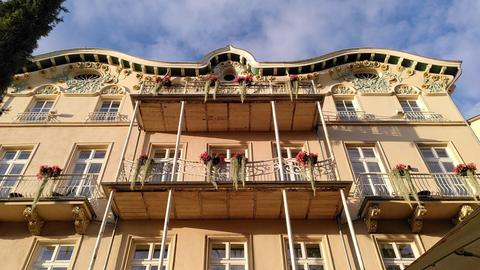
397 255
53 257
228 256
87 166
145 256
440 164
162 168
291 167
308 256
38 112
346 110
367 169
12 164
107 111
223 172
410 106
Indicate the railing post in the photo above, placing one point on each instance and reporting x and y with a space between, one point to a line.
125 144
358 255
101 231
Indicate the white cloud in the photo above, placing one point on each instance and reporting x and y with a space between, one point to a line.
185 30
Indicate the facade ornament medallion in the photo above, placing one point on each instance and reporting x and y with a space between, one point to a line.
464 212
341 89
112 90
416 220
371 218
49 89
81 219
434 83
405 89
35 222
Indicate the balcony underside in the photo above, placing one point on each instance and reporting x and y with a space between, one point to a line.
397 208
49 210
202 201
162 115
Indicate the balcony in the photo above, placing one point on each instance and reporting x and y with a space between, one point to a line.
352 116
258 197
60 197
106 117
441 195
423 116
160 112
36 117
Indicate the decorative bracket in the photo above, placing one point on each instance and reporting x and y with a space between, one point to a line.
371 218
35 222
416 220
464 212
81 219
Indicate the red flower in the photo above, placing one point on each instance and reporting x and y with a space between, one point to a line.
401 166
213 78
293 77
304 158
218 159
165 81
205 157
247 79
462 169
239 79
47 171
472 167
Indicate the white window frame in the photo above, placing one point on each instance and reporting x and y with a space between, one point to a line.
409 107
347 112
150 262
167 159
36 101
304 260
228 261
108 115
10 164
50 264
437 159
289 152
79 186
398 261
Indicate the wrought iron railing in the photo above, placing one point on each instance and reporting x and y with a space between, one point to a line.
432 185
255 171
35 117
107 117
423 116
227 88
63 186
354 116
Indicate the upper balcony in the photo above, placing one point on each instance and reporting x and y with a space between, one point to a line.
223 193
230 110
360 116
63 198
440 196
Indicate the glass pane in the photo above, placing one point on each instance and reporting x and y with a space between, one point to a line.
95 168
368 152
139 267
3 169
313 251
65 253
16 169
156 252
358 167
237 267
84 154
46 253
24 155
79 168
353 153
160 153
315 267
340 107
387 251
141 252
448 166
299 266
373 167
236 251
9 155
218 267
99 154
297 250
441 152
59 268
405 251
393 267
48 105
434 167
218 251
427 153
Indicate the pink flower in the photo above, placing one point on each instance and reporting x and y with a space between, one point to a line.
293 77
205 157
213 78
401 166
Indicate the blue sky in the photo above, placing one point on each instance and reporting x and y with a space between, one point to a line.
185 30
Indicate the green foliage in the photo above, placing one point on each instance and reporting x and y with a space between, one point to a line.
22 23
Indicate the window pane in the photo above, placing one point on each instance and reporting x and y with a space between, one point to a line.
24 155
237 267
448 166
358 167
405 251
9 155
95 168
139 267
65 253
298 250
3 169
373 167
427 153
156 252
59 268
160 153
299 266
79 168
99 154
236 251
393 267
141 252
16 169
353 153
46 253
387 251
434 167
441 152
218 251
218 267
84 154
315 267
313 251
368 152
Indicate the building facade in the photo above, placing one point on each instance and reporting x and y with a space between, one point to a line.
230 163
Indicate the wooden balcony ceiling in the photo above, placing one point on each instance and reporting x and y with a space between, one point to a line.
205 117
228 204
48 210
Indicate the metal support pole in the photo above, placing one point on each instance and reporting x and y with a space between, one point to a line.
352 231
100 232
169 199
340 232
111 244
284 192
125 144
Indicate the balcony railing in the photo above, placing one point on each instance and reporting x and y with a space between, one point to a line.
255 171
35 117
433 185
106 117
256 88
354 116
423 116
64 186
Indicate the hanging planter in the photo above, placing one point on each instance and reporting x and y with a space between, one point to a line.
238 169
467 172
46 172
212 163
292 85
212 81
143 170
308 161
161 82
243 82
402 182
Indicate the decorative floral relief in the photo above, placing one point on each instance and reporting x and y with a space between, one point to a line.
112 90
47 90
341 89
381 84
405 89
435 83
